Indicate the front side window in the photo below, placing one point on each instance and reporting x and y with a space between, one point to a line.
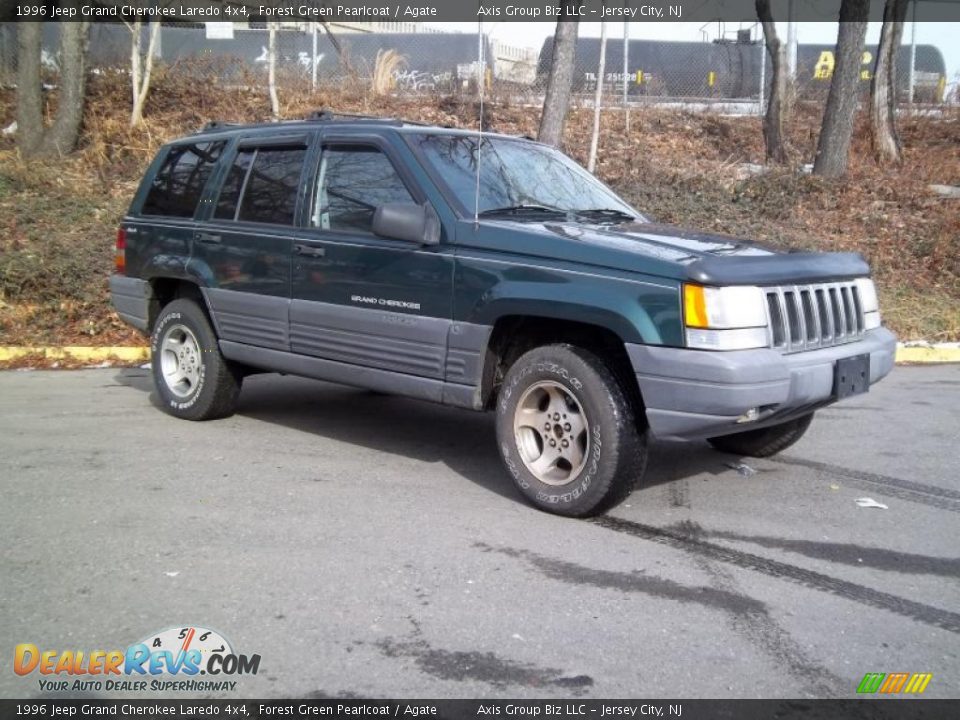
515 173
352 182
178 184
262 186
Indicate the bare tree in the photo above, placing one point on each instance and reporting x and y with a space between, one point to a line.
61 137
337 47
560 81
833 146
141 67
29 88
598 98
272 69
883 86
778 104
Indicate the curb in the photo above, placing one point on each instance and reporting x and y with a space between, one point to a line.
907 353
77 352
919 352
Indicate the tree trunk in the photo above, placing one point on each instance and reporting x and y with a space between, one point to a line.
141 68
598 98
29 88
883 86
833 147
337 47
62 137
272 71
560 81
777 105
135 69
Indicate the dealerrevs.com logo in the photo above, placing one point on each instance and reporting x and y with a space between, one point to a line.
167 661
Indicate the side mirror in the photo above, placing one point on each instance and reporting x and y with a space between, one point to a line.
407 221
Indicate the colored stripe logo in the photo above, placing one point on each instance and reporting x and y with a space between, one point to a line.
893 683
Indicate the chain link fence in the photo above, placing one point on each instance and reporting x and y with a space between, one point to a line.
411 59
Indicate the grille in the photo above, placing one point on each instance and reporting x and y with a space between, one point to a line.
804 317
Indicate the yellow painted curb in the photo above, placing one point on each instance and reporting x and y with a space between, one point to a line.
78 352
928 354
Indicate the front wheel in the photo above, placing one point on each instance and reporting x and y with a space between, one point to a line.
194 381
763 442
567 432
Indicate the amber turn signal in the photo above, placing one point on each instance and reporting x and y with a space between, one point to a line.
694 306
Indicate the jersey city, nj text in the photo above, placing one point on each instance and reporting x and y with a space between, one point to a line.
552 11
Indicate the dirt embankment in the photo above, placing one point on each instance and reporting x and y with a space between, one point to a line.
58 218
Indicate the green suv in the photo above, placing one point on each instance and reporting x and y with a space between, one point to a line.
488 273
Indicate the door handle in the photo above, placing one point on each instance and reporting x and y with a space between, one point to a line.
208 238
309 250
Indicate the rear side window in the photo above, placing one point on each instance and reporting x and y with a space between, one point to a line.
229 198
178 184
262 185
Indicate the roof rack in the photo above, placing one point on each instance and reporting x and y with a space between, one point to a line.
328 115
324 115
217 125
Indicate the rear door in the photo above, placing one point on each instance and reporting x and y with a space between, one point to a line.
244 244
359 298
160 233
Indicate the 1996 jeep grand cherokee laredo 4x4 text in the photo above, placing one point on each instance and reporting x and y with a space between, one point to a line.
347 249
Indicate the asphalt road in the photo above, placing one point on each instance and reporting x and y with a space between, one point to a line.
371 545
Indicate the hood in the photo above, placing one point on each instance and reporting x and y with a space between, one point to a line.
674 252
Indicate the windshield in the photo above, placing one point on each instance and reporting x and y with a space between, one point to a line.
516 175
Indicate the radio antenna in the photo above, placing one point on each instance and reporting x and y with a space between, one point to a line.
481 80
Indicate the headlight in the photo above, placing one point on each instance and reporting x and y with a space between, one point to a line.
727 318
868 301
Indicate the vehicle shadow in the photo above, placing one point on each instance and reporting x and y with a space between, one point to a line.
463 440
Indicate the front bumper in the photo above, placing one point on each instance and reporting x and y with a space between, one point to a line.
692 394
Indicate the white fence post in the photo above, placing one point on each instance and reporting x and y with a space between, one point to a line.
313 58
763 73
626 72
913 56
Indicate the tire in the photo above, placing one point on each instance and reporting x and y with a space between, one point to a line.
561 393
192 378
763 442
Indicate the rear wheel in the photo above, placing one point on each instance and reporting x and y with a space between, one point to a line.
763 442
194 381
567 432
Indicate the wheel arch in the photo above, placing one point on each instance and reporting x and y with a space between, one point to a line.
515 334
164 290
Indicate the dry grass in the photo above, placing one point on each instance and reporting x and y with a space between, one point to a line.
58 218
385 69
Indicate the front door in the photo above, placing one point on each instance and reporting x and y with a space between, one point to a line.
358 298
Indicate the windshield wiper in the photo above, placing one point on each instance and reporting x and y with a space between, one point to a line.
605 214
520 209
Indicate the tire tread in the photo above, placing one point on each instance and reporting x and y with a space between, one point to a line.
219 398
763 442
630 450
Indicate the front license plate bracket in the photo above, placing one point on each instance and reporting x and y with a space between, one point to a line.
851 376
